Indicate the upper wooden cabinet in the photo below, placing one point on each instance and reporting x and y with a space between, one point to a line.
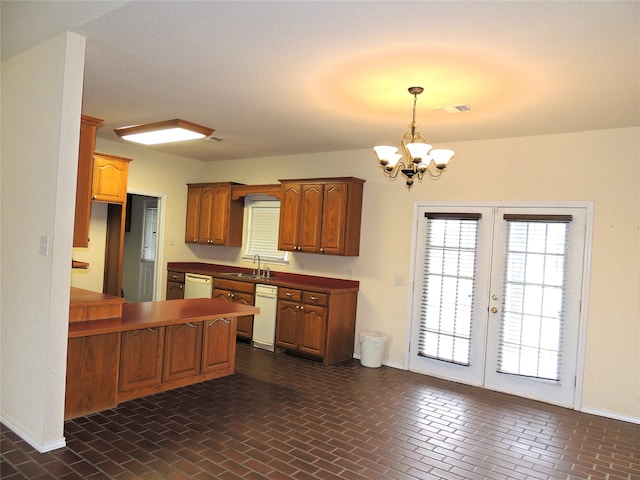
321 215
88 128
213 217
110 175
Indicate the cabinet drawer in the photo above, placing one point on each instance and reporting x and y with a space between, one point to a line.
175 276
234 285
290 294
314 298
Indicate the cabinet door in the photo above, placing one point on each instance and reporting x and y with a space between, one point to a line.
141 358
287 324
182 351
311 218
206 211
219 218
109 179
193 214
313 330
289 216
175 291
219 345
244 323
334 210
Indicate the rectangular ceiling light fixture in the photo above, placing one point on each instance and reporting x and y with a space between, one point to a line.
163 132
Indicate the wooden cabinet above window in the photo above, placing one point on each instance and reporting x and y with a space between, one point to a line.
213 217
321 215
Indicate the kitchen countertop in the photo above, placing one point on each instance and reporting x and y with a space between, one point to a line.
281 279
140 315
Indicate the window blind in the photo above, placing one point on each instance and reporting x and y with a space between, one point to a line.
534 294
262 233
448 287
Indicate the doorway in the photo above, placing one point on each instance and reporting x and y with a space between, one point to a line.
497 297
140 257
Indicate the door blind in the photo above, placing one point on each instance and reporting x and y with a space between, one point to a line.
448 287
534 296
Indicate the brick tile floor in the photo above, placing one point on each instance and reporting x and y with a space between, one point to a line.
282 417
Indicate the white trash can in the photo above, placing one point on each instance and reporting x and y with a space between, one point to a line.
372 348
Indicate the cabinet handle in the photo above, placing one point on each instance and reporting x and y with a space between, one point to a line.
189 324
213 322
152 330
321 250
180 287
301 307
313 297
230 295
289 294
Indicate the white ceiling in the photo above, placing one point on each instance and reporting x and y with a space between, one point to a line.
276 78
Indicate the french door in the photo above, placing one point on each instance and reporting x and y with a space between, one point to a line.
497 297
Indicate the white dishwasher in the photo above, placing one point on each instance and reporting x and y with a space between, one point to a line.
264 324
197 286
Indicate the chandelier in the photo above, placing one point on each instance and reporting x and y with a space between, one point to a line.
417 153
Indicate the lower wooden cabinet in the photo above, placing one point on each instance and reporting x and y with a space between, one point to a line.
237 292
92 374
175 285
303 325
157 359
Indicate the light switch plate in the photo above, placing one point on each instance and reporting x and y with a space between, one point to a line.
44 245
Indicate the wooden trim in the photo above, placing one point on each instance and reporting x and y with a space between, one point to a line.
239 191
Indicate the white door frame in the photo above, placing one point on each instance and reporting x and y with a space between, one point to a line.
586 274
158 287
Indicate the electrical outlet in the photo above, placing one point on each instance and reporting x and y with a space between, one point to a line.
398 280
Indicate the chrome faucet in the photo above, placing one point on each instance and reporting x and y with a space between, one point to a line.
254 262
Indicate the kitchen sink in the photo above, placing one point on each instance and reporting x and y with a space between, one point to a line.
245 275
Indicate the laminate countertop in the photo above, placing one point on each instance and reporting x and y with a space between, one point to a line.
141 315
281 279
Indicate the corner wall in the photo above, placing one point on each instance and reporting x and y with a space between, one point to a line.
41 98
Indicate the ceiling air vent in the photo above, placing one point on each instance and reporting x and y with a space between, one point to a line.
454 108
212 138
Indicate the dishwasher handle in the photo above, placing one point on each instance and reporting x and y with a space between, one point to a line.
195 278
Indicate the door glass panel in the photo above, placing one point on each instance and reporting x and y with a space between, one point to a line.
446 314
533 299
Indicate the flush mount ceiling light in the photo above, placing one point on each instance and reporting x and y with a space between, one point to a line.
417 152
163 132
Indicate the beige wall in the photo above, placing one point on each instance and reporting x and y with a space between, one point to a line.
41 103
600 166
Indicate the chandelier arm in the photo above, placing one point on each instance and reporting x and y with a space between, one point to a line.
433 176
393 173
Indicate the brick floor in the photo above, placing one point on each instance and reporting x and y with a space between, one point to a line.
282 417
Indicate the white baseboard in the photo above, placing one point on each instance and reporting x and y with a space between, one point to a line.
614 416
42 447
